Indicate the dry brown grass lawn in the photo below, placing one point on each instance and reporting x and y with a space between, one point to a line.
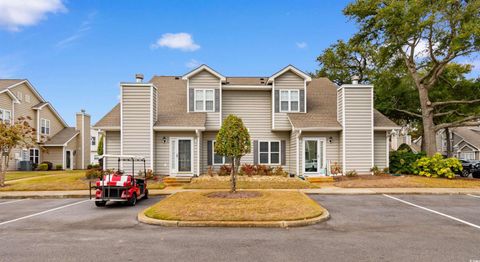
60 181
405 181
245 182
270 206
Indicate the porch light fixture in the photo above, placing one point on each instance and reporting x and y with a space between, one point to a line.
330 139
164 139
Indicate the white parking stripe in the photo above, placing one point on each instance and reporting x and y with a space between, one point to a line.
14 201
435 212
41 213
473 195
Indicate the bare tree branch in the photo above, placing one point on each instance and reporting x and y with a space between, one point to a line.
434 104
409 113
449 113
467 121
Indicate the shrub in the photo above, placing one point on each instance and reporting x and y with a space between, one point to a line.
263 170
248 170
42 167
351 173
402 161
376 171
96 166
278 171
58 167
49 165
210 171
90 166
386 170
93 174
437 166
335 168
224 170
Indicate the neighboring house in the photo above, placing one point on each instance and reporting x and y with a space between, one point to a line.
465 142
302 124
94 140
56 141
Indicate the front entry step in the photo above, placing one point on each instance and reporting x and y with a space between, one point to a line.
176 181
325 179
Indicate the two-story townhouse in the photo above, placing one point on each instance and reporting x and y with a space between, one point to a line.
464 142
56 141
301 123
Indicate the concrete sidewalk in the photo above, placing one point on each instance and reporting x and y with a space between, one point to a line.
319 191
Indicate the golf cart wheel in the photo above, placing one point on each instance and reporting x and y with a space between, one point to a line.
100 203
465 173
146 194
133 201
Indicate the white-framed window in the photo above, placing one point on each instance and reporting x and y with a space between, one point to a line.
289 100
204 100
5 116
467 155
34 155
94 141
269 152
27 98
45 126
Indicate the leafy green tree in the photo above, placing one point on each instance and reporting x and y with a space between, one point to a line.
233 141
423 38
12 135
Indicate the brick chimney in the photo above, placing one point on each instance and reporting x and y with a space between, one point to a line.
83 142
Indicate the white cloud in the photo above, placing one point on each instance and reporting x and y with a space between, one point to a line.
85 26
192 63
301 45
182 41
15 14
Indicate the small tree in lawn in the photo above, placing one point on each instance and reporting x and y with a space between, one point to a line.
18 134
100 151
233 142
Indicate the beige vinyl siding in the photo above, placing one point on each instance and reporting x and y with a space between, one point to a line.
155 105
136 122
332 150
53 154
25 108
85 150
288 80
111 147
254 107
5 102
55 124
205 80
358 130
340 106
293 153
162 151
380 149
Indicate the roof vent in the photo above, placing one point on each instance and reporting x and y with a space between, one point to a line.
355 80
176 78
138 78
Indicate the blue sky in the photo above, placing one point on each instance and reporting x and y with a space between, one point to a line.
77 52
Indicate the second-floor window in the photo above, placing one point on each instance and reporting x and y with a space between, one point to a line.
289 100
204 100
5 116
45 126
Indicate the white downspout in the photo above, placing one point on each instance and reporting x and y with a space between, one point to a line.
197 132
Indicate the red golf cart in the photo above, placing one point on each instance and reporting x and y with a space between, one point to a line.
119 186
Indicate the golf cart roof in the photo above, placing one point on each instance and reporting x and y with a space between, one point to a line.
125 157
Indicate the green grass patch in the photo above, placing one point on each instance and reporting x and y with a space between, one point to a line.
269 206
245 182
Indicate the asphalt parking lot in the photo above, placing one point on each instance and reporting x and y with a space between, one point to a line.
361 228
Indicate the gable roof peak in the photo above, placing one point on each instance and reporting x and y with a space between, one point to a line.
201 68
292 68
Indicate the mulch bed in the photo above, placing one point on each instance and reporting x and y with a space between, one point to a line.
236 195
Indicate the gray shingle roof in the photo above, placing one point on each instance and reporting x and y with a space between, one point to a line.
111 119
62 137
471 135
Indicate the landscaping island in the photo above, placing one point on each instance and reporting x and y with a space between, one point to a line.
241 209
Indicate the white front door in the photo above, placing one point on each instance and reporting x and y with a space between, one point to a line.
314 156
181 160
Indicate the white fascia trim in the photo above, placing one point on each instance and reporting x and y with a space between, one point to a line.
469 146
386 128
151 128
355 86
136 84
306 129
40 107
248 87
304 96
289 68
344 152
201 68
108 128
220 105
14 98
178 128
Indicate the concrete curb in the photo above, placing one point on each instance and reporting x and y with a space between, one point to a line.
270 224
